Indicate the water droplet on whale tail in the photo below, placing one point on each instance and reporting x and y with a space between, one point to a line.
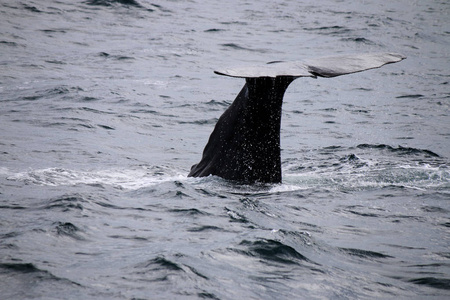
245 143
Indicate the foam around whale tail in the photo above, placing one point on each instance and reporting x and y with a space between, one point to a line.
245 143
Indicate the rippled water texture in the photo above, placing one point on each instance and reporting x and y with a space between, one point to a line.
105 105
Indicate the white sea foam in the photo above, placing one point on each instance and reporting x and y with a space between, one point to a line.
407 176
413 177
122 179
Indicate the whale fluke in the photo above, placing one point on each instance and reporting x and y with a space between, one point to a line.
245 143
330 66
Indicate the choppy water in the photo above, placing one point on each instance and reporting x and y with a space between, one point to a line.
105 105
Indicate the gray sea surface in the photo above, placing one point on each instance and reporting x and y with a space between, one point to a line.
106 104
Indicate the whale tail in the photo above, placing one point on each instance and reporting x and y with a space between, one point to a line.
245 143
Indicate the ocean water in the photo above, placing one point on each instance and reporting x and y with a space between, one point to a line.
106 104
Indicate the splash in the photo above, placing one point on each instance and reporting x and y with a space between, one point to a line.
131 179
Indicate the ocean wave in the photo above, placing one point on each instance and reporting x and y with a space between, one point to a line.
399 150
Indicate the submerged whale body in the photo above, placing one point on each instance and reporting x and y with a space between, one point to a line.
245 143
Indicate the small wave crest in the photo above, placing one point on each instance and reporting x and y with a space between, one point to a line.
14 274
150 7
113 2
399 150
